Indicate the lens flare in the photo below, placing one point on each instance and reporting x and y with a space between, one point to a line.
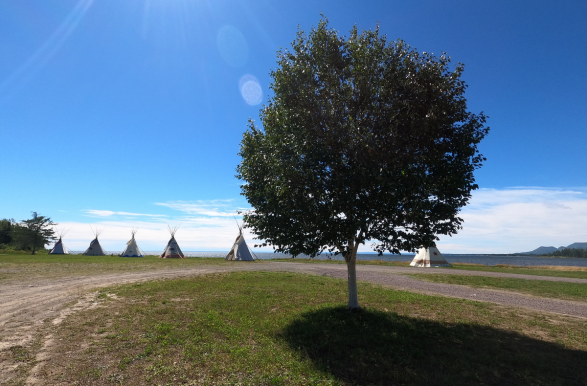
232 46
251 90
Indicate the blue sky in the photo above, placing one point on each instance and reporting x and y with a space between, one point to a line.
130 113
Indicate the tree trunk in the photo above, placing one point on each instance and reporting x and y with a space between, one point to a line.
34 243
352 280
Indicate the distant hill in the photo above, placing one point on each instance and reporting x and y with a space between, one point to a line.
541 251
578 246
544 250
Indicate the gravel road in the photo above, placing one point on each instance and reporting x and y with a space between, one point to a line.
29 307
389 276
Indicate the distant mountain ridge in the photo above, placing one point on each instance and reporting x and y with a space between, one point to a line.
544 250
578 246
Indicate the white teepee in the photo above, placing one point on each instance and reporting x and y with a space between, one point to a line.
132 249
95 248
240 250
429 257
60 248
172 250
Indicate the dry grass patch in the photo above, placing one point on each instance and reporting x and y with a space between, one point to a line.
18 361
562 268
292 329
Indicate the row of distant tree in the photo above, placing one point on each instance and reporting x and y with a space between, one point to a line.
28 235
568 252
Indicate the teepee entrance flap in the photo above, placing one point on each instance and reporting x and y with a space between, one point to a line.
132 249
172 250
59 248
240 250
95 249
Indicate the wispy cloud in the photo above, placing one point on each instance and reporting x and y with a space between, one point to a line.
206 225
495 221
520 220
109 213
491 197
210 208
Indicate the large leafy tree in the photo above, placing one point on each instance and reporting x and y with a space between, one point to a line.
34 233
363 140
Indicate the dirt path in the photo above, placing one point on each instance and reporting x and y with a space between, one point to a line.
29 309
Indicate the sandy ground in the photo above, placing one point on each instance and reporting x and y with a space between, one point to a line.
31 308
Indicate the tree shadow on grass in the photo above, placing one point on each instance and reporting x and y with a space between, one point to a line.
378 348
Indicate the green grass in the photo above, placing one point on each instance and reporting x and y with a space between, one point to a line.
551 289
12 252
292 329
14 267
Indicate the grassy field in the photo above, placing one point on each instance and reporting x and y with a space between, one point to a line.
19 266
81 259
15 266
292 329
551 289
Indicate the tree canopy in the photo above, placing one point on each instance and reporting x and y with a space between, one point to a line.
363 140
34 233
6 229
568 252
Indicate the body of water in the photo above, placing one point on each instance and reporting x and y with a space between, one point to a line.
475 259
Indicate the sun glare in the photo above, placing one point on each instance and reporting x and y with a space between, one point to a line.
40 57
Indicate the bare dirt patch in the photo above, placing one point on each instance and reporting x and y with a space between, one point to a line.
29 313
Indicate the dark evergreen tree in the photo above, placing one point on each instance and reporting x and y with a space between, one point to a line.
6 229
34 233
